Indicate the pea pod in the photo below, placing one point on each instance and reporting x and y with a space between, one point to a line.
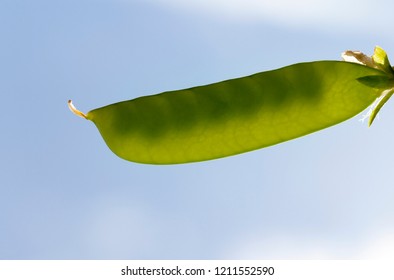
243 114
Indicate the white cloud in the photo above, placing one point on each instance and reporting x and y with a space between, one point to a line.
381 247
281 247
117 227
378 246
333 13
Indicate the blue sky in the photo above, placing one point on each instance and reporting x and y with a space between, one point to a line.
64 195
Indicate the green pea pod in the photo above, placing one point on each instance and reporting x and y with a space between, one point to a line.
238 115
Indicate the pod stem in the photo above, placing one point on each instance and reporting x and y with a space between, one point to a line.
75 110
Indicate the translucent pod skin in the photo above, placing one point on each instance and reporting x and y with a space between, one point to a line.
238 115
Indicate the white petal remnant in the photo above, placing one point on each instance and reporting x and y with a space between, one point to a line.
358 57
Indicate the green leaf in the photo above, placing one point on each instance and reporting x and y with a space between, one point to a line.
381 60
379 104
378 82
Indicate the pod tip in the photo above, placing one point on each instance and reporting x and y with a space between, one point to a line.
75 110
